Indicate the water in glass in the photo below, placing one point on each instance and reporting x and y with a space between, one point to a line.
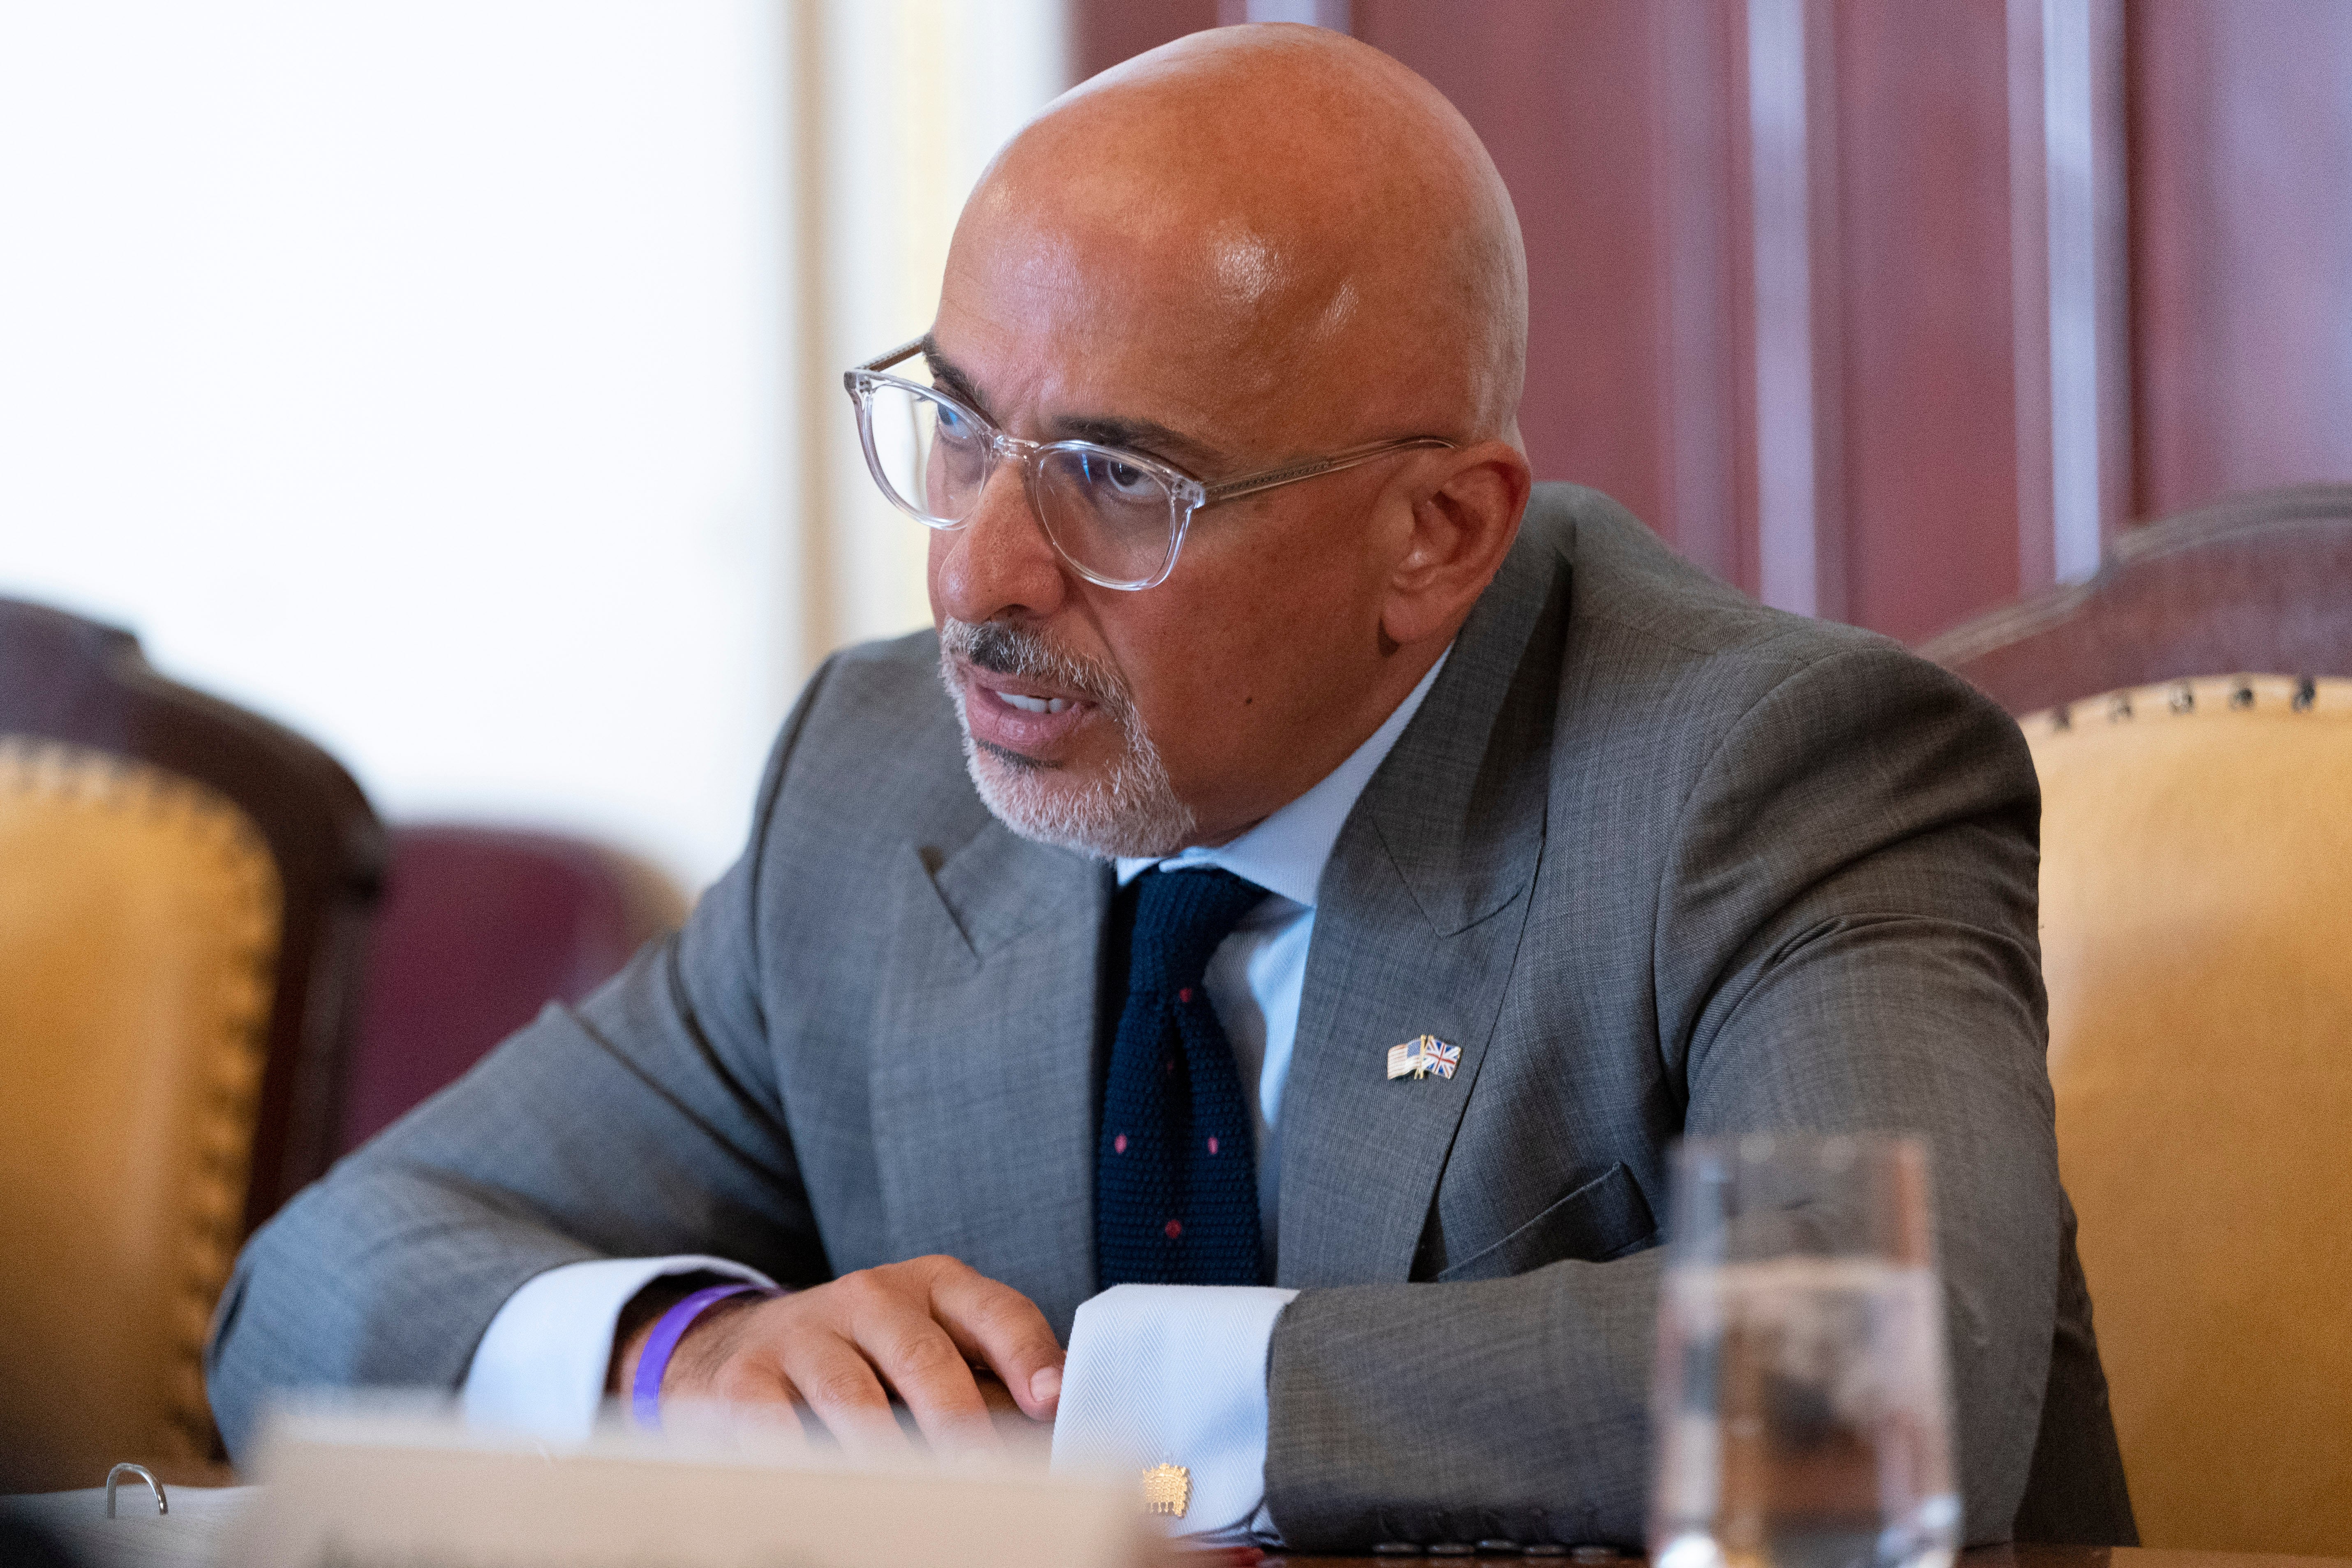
1800 1401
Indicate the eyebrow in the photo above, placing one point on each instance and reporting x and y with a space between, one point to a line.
1147 435
948 377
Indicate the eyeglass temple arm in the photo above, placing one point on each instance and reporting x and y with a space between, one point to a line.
904 351
1253 483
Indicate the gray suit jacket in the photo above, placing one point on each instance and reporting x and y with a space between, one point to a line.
1657 859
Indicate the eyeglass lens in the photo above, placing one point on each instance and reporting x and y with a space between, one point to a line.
1114 521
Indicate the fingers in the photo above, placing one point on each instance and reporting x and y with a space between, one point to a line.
782 1352
998 1325
843 1349
840 1387
997 1397
893 1327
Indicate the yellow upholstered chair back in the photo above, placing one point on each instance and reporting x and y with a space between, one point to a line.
140 918
2196 935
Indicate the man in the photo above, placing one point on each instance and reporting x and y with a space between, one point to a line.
1271 737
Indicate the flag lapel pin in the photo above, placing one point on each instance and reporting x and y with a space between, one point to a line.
1421 1056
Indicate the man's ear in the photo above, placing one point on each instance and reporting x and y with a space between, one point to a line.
1462 525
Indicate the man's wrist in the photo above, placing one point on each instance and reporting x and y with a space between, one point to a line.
644 1309
547 1361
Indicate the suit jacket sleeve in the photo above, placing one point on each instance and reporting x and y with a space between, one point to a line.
1844 941
643 1122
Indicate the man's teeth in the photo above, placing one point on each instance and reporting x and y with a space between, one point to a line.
1036 704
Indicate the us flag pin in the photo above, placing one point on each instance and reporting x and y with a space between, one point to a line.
1422 1055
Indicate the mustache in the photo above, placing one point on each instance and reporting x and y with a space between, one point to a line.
1004 649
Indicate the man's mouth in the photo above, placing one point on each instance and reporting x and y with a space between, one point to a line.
1036 704
1024 692
1020 716
1031 712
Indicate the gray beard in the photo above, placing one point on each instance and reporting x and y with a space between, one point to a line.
1131 812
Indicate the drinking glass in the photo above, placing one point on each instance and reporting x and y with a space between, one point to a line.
1801 1406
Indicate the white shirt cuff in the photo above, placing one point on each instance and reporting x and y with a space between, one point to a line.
1174 1374
542 1362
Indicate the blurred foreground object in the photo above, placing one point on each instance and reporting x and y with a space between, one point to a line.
1801 1413
389 1488
480 926
2259 582
2197 937
189 1536
182 912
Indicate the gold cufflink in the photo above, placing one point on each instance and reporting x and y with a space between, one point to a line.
1167 1490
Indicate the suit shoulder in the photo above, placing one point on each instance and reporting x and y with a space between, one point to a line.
871 744
1628 577
1632 593
1665 671
875 697
912 660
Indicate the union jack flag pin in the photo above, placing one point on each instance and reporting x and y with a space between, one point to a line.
1422 1055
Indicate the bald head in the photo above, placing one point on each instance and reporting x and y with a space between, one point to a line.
1253 248
1302 238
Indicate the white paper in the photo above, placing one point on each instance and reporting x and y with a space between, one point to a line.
377 1491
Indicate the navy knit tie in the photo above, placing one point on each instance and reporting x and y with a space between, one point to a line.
1176 1174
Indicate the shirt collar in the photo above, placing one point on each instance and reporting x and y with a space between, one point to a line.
1284 853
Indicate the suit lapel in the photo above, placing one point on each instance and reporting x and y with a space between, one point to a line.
1417 926
983 1077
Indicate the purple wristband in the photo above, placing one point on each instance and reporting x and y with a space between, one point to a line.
645 1390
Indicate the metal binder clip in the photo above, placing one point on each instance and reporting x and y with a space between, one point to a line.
2306 693
114 1478
2184 698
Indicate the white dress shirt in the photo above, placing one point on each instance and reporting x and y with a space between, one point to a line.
1155 1372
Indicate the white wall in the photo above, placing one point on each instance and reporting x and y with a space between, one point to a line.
915 97
434 376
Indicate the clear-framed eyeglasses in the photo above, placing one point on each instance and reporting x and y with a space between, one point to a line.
1116 516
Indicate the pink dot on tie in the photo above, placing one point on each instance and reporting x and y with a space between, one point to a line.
1118 1144
1212 1146
1185 995
1174 1229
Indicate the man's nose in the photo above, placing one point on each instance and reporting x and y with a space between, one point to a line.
1000 564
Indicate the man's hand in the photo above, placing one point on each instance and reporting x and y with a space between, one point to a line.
914 1330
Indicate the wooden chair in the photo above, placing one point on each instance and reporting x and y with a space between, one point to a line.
183 892
2260 583
2193 734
